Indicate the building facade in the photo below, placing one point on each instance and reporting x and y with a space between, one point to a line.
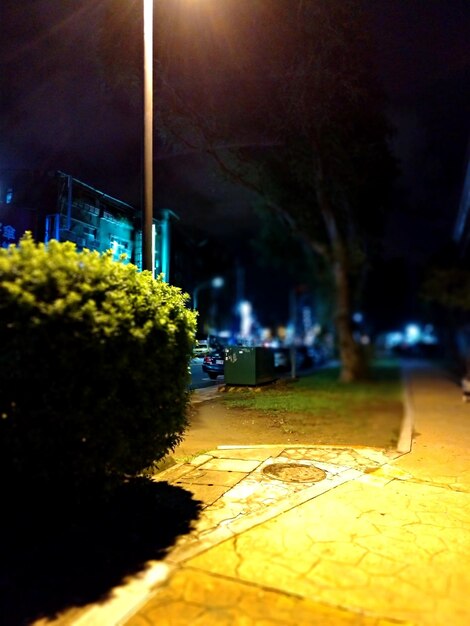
92 219
56 205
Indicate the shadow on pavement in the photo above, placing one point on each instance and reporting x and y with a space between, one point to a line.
56 558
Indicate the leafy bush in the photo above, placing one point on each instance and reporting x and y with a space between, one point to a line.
93 365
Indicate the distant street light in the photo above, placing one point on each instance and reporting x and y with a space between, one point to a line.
215 282
148 262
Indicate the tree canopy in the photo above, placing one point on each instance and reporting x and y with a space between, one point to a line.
283 97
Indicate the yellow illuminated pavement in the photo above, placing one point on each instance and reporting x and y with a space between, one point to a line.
383 539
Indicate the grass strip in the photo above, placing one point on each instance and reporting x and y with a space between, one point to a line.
321 392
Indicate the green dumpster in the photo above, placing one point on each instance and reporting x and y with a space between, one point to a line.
249 366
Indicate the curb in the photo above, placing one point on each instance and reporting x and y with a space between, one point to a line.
204 393
405 439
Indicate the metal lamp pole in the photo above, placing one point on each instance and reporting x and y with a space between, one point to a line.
147 214
215 282
196 293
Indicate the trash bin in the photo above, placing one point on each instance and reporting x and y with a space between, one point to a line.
249 366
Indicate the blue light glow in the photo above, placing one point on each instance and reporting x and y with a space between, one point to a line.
412 333
246 318
217 282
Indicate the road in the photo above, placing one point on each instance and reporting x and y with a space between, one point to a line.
199 378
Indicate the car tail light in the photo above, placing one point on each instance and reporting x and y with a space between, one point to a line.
207 359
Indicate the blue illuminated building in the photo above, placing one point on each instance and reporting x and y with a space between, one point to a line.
56 205
91 219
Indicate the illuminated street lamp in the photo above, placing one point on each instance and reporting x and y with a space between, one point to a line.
215 282
147 214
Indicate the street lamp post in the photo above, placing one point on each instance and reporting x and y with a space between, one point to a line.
147 213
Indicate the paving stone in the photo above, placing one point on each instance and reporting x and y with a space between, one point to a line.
342 457
395 552
201 476
173 473
204 493
231 465
201 459
390 471
201 599
372 479
248 454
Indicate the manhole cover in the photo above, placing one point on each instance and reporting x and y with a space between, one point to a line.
294 472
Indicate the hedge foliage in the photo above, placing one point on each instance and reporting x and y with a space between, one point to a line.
93 364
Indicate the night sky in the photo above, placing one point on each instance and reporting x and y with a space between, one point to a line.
55 114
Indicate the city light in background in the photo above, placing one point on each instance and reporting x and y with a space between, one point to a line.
411 336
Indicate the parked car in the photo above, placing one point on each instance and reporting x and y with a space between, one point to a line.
201 348
213 363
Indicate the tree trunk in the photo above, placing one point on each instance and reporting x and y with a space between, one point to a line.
353 363
353 366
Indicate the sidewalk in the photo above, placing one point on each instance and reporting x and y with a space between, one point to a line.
321 536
